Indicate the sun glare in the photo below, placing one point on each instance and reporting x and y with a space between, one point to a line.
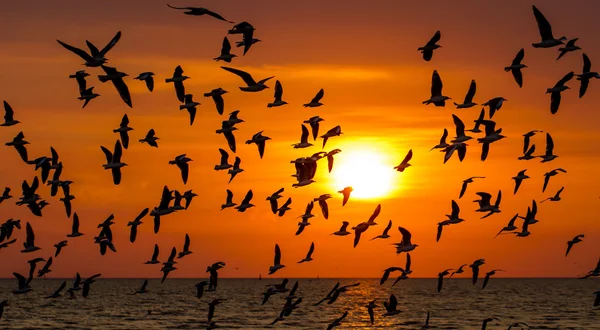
368 172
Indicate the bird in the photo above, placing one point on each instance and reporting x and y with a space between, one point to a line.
59 247
466 182
485 206
186 248
217 96
224 165
346 192
29 244
461 137
371 308
475 268
323 204
87 95
67 202
436 98
550 174
9 116
147 78
596 301
510 227
516 66
276 261
518 179
594 272
575 240
330 158
245 202
487 277
314 125
441 279
303 139
278 94
5 195
46 269
227 130
199 11
585 75
494 104
18 142
549 156
387 272
285 207
154 259
273 200
122 130
56 293
442 144
252 85
79 76
343 229
404 164
385 232
113 161
547 39
87 283
478 121
226 54
405 245
527 136
182 163
316 101
309 254
569 47
391 306
337 322
229 202
260 141
459 270
336 131
150 138
23 285
142 289
556 197
190 105
468 102
177 79
135 223
555 92
116 78
95 58
431 45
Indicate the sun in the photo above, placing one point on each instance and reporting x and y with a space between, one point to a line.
367 171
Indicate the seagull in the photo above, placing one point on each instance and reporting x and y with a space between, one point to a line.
277 102
29 244
478 122
550 174
5 244
549 156
336 131
87 95
485 206
56 293
86 285
459 270
285 207
405 245
387 272
346 192
436 98
276 261
260 141
5 195
199 11
404 165
302 225
545 29
186 248
188 195
343 229
487 277
527 136
224 165
227 131
556 197
307 213
315 102
584 77
23 286
495 104
117 79
217 96
147 78
46 269
113 161
442 144
309 254
252 86
190 105
135 223
593 273
475 268
142 289
569 47
441 279
431 45
273 200
150 138
95 58
556 90
337 322
468 102
518 179
225 52
575 240
516 67
59 247
233 118
79 76
314 125
303 139
67 202
370 308
229 202
245 202
510 227
19 143
178 79
466 182
122 130
391 306
182 162
460 131
154 259
491 135
385 232
236 168
247 40
9 114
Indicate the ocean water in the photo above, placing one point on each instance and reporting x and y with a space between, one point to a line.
541 303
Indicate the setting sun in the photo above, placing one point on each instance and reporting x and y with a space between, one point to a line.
366 171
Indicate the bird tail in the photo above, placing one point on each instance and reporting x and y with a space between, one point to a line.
270 105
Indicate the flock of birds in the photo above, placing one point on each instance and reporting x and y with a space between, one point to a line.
305 169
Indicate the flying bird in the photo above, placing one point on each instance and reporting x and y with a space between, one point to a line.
436 98
441 279
385 232
135 223
225 52
316 101
9 116
277 102
147 78
516 66
586 75
95 58
343 229
245 202
555 92
487 277
199 11
116 78
252 85
276 261
59 247
113 161
178 79
510 227
309 254
404 164
260 141
217 96
150 138
190 105
442 144
336 131
330 158
314 125
466 182
468 102
550 174
518 179
485 206
186 248
18 142
494 104
346 192
475 269
431 45
123 131
545 30
575 240
303 139
569 47
405 245
527 136
182 163
391 306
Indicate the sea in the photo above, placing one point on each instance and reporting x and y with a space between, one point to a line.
540 303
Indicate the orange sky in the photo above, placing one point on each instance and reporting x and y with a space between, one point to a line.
374 79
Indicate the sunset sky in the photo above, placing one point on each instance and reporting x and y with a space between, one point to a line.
364 54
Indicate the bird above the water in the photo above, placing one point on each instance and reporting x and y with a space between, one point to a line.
477 121
518 179
123 131
370 309
441 279
387 272
404 164
343 230
494 104
466 182
260 141
330 158
23 284
391 306
436 97
569 47
309 254
87 95
46 269
29 244
487 277
460 131
245 202
199 11
79 76
547 39
186 248
316 101
336 131
190 105
510 227
555 92
468 102
116 78
96 57
431 45
5 194
113 161
594 272
586 75
575 240
9 116
226 54
384 235
405 245
596 301
442 144
303 139
154 259
550 174
491 135
346 192
556 197
284 208
488 320
142 289
276 261
217 96
278 94
273 200
177 79
516 66
147 78
135 223
57 292
252 85
459 270
182 163
475 268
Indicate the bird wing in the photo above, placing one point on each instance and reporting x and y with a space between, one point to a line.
387 228
310 251
406 235
543 25
471 92
518 75
185 170
460 126
324 208
110 44
455 210
436 37
565 79
248 197
277 259
408 157
226 48
215 15
549 143
436 84
356 237
8 111
224 156
244 75
278 91
318 97
444 136
304 136
519 57
30 235
375 213
463 189
587 64
81 53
